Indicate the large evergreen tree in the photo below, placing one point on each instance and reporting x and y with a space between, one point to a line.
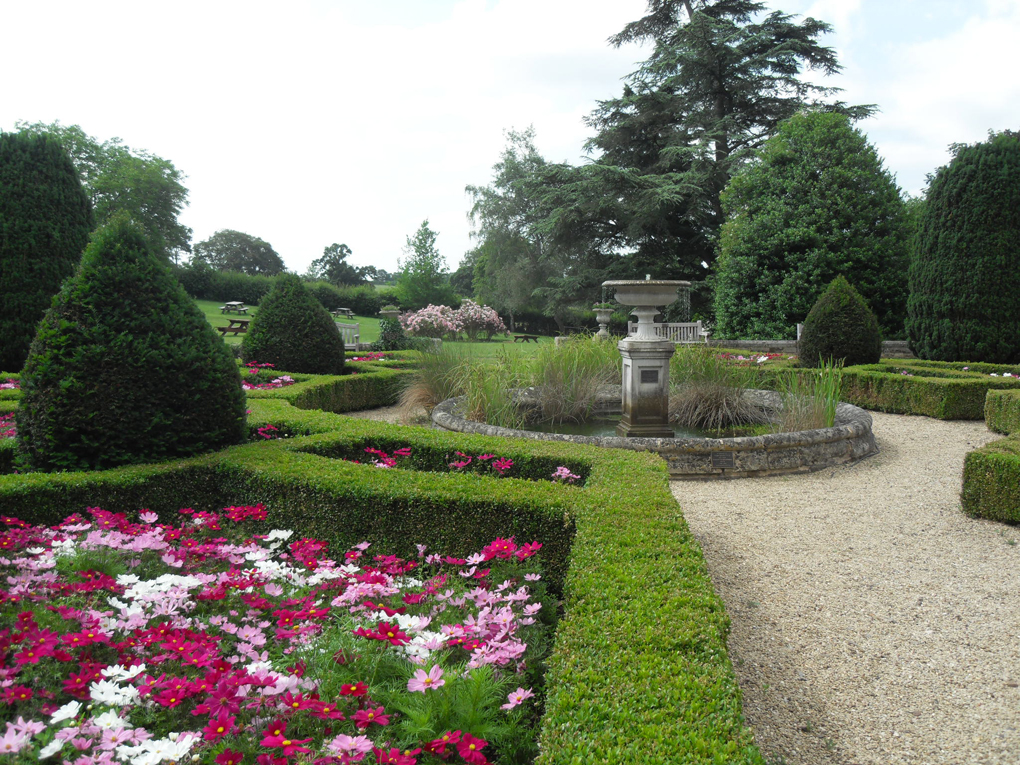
964 303
45 221
125 368
722 75
816 204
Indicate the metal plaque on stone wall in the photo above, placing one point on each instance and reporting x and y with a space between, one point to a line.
722 459
650 376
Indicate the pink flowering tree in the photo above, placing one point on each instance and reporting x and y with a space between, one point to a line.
432 321
475 319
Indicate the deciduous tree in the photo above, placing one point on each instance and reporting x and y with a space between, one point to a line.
230 250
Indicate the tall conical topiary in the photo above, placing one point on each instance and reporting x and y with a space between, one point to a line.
125 368
840 326
293 332
45 221
964 302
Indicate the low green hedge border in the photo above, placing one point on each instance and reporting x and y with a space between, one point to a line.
946 391
991 474
639 673
991 481
1002 411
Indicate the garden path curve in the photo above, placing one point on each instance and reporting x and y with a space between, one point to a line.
873 622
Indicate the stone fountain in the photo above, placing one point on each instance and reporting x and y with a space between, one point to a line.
646 356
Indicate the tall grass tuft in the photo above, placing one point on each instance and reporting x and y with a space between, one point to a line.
569 376
810 398
487 390
440 375
708 393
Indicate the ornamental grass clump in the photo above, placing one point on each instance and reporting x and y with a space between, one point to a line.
125 368
570 378
292 331
195 640
707 391
809 399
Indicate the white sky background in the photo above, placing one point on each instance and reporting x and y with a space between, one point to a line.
318 121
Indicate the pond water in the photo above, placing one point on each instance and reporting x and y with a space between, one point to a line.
605 426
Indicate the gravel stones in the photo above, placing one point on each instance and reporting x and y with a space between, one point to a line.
873 622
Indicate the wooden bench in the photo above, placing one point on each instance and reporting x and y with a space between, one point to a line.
351 334
680 333
236 327
234 307
525 338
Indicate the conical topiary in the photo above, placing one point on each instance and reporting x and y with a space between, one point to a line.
45 221
840 326
125 368
293 332
964 304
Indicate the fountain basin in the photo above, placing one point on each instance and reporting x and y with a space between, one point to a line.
804 451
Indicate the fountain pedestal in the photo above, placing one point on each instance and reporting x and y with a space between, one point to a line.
645 403
646 358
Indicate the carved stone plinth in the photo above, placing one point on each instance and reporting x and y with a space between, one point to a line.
645 401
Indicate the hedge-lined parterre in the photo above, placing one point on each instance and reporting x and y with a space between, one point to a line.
639 673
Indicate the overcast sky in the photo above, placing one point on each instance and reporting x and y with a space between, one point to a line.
318 121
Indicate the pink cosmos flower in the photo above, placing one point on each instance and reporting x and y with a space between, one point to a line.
423 681
517 697
356 747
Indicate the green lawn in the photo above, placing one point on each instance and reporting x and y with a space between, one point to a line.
369 330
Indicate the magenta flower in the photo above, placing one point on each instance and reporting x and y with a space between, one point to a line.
423 681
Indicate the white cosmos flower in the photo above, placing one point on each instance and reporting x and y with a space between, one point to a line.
66 712
50 749
108 720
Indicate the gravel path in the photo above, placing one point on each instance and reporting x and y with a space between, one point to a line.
873 622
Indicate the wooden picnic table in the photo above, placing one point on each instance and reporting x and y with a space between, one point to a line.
343 312
234 307
236 327
525 338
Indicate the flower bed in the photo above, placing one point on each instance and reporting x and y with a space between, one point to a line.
220 645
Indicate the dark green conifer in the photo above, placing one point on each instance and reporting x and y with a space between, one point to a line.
45 221
125 368
964 302
293 332
840 327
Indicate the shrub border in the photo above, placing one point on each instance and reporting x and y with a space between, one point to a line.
639 671
991 474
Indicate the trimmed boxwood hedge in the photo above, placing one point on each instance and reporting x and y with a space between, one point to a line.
1002 411
991 475
946 391
639 672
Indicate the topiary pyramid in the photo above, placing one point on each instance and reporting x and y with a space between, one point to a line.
45 221
840 326
293 332
125 368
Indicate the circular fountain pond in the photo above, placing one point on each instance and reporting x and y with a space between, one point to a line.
695 457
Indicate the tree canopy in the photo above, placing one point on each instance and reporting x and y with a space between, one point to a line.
722 76
230 250
424 277
334 268
117 178
816 204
